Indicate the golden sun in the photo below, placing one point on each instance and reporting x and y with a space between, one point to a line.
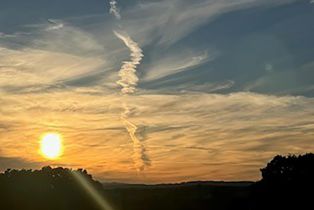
51 146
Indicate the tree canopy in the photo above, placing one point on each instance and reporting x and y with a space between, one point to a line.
47 188
287 183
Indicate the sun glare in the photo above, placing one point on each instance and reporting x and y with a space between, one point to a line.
51 145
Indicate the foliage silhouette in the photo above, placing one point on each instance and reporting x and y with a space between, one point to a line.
287 183
48 188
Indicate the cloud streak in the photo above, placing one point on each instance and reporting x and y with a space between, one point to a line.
225 136
173 63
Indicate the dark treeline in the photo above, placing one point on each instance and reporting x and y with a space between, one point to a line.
47 188
287 183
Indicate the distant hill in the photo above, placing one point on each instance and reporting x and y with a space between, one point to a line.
181 196
117 185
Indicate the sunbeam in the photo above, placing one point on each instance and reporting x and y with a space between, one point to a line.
98 198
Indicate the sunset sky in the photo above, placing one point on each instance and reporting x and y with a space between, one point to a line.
151 91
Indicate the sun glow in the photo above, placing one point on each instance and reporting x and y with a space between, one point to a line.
51 145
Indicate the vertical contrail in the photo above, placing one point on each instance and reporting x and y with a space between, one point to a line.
128 78
139 157
128 81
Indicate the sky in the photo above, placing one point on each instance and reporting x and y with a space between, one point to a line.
157 91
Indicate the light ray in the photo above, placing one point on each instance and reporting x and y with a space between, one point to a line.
102 203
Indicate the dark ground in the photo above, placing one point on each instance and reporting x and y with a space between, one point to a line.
193 195
287 183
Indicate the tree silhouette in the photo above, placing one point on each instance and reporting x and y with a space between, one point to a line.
289 170
287 183
48 188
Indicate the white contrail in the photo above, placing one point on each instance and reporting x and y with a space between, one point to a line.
139 157
114 9
128 78
128 81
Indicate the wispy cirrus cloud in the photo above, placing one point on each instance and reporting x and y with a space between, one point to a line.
175 63
21 68
174 24
240 131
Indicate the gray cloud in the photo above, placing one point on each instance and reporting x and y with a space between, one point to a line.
16 163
